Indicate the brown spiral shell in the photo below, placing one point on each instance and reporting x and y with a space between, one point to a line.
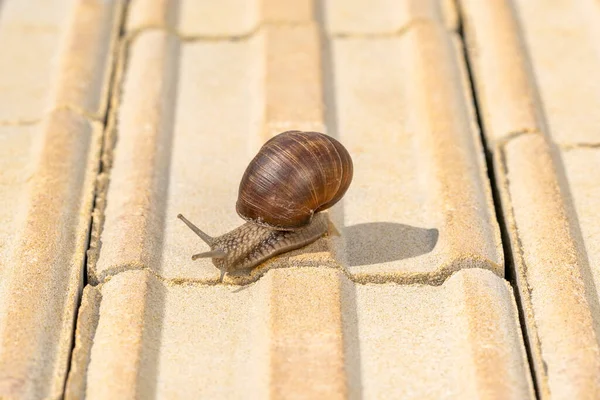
293 176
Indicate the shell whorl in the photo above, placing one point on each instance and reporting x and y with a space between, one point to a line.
293 176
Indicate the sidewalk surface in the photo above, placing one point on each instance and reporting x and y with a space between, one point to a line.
467 263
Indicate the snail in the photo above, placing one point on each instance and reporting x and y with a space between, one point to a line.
294 176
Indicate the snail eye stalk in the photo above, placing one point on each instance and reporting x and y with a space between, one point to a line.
206 238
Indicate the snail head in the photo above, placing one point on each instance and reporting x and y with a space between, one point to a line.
218 255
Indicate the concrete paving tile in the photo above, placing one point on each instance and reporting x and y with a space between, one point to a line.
307 347
431 342
133 224
357 17
49 191
585 191
87 57
522 81
288 11
549 237
298 102
507 96
16 169
305 332
177 341
568 85
190 18
55 54
196 170
559 287
87 323
205 157
420 205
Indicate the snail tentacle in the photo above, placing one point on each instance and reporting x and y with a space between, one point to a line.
209 240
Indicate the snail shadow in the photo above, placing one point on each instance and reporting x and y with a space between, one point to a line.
381 242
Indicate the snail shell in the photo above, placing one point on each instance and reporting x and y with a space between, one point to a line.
293 177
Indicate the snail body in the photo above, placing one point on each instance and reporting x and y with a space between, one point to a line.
294 176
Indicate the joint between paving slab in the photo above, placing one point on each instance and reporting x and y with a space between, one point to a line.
109 140
509 137
504 208
62 107
437 278
409 26
131 35
21 122
81 112
98 183
578 146
531 337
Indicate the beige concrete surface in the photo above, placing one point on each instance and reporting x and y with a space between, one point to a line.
283 335
385 17
56 54
536 109
568 85
42 271
462 262
55 68
417 161
207 19
241 93
557 274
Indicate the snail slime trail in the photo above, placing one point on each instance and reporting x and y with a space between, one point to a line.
294 176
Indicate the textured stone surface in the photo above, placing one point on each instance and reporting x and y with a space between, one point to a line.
446 341
356 17
531 98
405 297
229 97
56 54
556 272
420 204
584 189
153 337
506 92
568 85
55 69
191 18
42 268
30 38
515 45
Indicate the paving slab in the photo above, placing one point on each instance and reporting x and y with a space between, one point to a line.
545 203
385 17
569 85
420 204
48 185
309 332
507 97
404 297
519 40
229 97
56 54
585 192
208 19
564 303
